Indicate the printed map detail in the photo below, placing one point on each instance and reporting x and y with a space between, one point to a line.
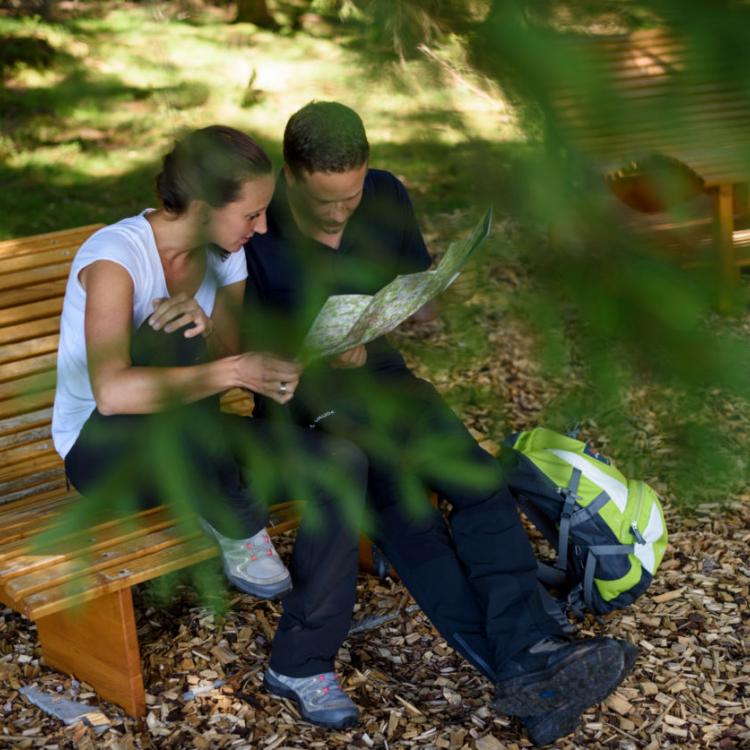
348 320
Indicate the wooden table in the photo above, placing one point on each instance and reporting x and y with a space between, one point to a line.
621 98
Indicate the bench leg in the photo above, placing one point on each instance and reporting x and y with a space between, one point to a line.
98 643
723 233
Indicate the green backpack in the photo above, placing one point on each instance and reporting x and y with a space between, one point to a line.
609 531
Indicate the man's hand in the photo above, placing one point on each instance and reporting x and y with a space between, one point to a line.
428 312
171 313
269 376
351 358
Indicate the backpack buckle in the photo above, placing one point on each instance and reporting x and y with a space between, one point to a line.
570 498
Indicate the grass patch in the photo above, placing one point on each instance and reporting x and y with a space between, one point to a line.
82 130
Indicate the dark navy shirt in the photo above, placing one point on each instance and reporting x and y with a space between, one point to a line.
291 275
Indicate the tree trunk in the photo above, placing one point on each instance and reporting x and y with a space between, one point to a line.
255 12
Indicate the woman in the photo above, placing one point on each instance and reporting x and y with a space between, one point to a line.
149 338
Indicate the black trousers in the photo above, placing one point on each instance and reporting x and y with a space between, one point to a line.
475 577
229 469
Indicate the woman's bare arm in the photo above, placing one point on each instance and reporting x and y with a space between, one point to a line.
121 388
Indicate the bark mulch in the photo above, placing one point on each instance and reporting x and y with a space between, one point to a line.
690 688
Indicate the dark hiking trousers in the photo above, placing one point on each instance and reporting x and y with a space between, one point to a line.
474 578
229 469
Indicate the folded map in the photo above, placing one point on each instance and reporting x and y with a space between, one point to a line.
349 320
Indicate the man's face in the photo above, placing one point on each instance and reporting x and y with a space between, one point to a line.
326 200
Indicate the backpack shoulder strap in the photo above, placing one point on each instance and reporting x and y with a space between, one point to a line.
570 495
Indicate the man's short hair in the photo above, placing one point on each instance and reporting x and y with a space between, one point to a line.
325 137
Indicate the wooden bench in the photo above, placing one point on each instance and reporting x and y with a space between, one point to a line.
79 595
621 98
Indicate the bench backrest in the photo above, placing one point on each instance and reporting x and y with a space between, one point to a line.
33 273
623 97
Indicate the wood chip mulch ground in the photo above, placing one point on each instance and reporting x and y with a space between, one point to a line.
690 688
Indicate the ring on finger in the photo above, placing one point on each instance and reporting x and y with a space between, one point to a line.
283 388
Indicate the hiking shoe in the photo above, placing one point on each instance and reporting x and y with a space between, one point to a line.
556 672
548 727
319 698
252 565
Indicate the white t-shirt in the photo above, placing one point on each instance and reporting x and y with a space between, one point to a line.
130 243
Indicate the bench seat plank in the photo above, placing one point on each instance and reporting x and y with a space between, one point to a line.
35 573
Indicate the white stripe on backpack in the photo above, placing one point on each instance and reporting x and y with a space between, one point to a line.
616 490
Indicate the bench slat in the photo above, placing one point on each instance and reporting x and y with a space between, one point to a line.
111 540
45 362
11 407
27 385
24 437
72 238
31 329
56 570
23 474
21 453
24 422
26 349
32 276
139 570
54 485
71 545
62 597
18 314
13 514
36 293
10 264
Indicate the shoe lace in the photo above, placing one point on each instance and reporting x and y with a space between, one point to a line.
260 546
323 689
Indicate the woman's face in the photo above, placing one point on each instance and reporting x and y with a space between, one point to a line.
232 225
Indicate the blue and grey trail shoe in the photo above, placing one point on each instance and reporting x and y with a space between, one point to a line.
252 565
319 698
550 726
555 672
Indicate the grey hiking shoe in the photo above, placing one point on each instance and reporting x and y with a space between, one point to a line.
555 672
548 727
252 565
319 698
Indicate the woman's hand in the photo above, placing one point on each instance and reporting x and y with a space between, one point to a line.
269 376
172 313
355 357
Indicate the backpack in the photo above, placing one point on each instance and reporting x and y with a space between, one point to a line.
608 531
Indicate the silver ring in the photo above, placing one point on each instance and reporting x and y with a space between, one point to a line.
283 388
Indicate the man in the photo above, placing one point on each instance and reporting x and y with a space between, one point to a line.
335 226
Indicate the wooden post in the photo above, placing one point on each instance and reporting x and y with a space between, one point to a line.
723 235
98 643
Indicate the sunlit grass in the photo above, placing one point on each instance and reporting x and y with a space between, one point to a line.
123 85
